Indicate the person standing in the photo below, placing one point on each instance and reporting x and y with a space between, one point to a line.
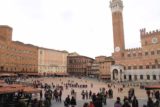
126 104
73 102
86 93
85 105
60 95
67 101
135 102
90 94
41 95
150 102
91 104
118 102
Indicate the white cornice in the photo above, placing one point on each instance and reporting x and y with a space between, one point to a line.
116 5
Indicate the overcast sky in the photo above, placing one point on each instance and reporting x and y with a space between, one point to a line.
83 26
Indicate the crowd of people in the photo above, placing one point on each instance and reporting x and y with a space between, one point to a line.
53 92
99 99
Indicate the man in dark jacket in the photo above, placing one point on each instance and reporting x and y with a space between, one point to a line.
135 102
98 102
150 102
126 104
67 101
73 102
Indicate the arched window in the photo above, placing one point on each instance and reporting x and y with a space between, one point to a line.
124 76
141 77
130 77
148 77
135 77
154 77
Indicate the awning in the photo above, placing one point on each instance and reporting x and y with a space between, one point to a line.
105 76
31 90
153 87
5 89
7 75
61 74
31 74
2 81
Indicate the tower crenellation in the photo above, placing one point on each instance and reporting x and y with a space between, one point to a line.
143 33
133 49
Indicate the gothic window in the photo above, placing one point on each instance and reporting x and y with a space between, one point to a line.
135 77
146 53
130 77
140 67
147 66
152 52
129 55
134 54
134 67
141 77
124 76
70 61
148 77
158 51
156 61
129 67
154 77
153 66
139 54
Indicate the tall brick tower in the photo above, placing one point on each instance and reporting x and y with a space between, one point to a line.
117 21
5 33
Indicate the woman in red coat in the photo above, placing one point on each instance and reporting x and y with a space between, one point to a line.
91 104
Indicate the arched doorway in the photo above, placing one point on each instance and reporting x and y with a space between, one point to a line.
115 74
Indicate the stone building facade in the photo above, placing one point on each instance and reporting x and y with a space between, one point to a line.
52 61
79 65
94 70
105 64
15 56
137 64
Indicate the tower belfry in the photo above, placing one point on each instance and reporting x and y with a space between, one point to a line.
117 21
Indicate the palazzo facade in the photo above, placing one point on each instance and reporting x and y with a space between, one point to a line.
15 56
136 64
52 61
